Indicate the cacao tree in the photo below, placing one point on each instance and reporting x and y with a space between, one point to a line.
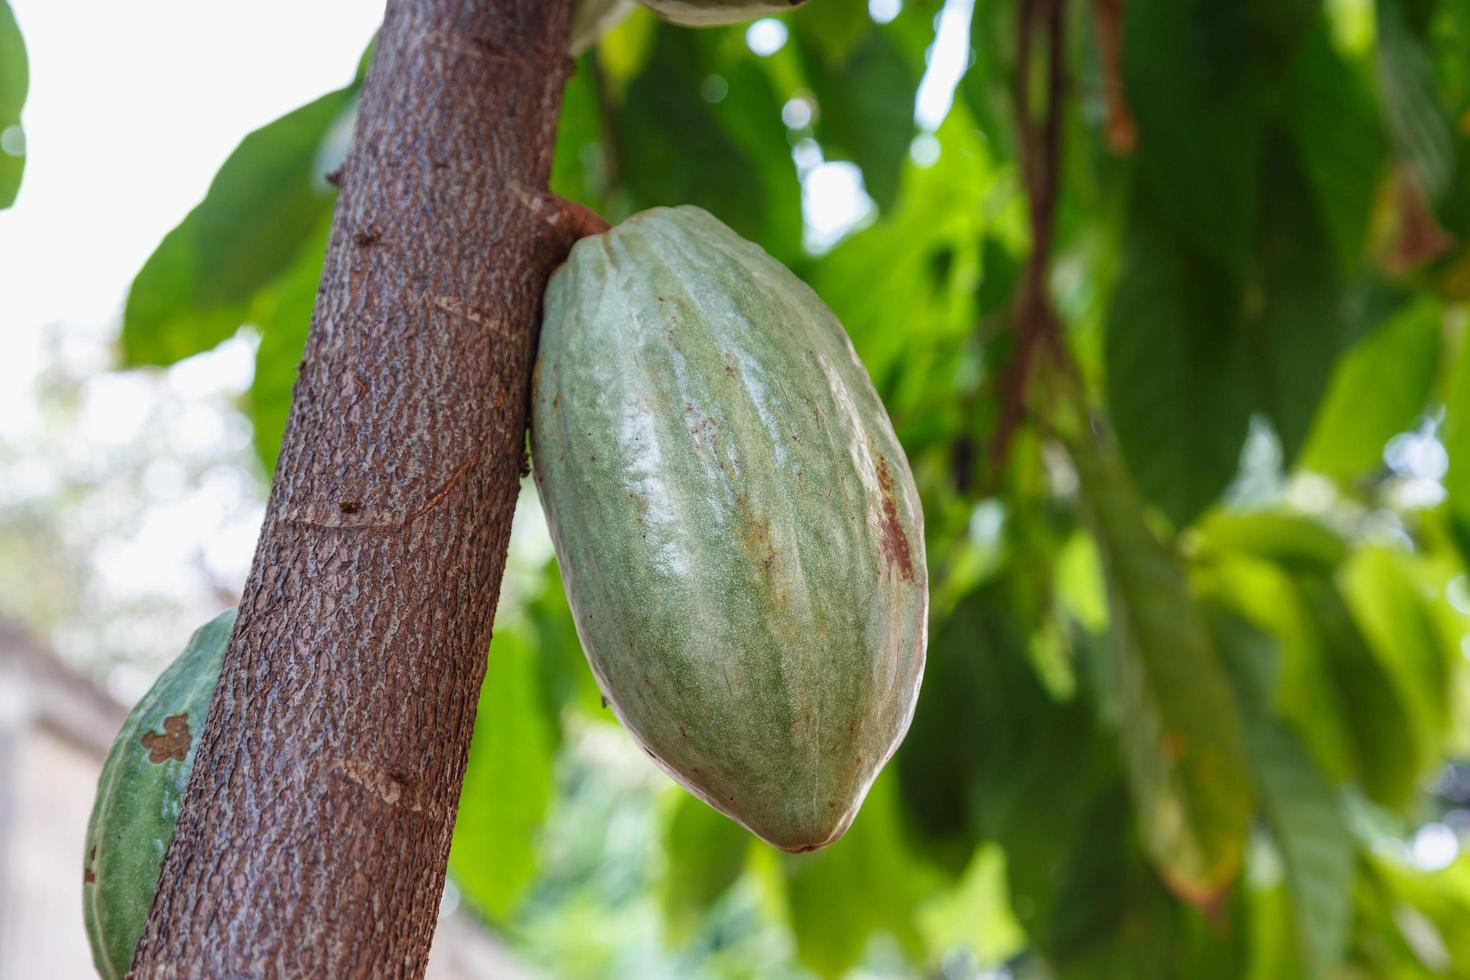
1168 310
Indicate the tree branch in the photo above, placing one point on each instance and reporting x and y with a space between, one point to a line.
316 828
1035 323
1122 131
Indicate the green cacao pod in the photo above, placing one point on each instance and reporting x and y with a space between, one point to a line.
737 527
710 13
139 795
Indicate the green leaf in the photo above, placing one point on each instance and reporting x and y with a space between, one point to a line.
705 854
1331 118
567 683
977 913
1179 392
1287 539
866 883
580 169
1416 117
980 711
1441 898
14 80
988 85
283 314
265 202
1180 727
1190 81
1377 390
865 100
1388 753
1298 322
834 26
1393 612
508 782
1304 692
1456 437
729 158
1111 919
904 286
1300 806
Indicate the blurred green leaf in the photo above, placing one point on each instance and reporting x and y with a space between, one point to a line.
567 683
904 287
1287 539
508 782
1197 99
977 913
1331 119
1416 118
623 50
1440 904
1304 692
1296 322
1456 437
1273 952
282 313
867 882
1179 387
833 26
14 80
1388 752
1180 727
865 99
1305 818
730 158
705 854
1393 613
988 85
265 202
581 169
1300 806
1377 390
981 706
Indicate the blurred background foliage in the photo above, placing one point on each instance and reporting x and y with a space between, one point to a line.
1197 685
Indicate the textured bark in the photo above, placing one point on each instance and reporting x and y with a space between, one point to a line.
314 836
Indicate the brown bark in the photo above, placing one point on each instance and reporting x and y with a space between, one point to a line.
314 836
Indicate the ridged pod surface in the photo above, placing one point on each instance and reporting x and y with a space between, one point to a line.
711 13
737 527
139 795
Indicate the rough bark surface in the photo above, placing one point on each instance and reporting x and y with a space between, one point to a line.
314 836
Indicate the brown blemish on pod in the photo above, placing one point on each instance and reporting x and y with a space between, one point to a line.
172 743
895 543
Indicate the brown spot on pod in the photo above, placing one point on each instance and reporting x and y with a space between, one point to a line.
172 743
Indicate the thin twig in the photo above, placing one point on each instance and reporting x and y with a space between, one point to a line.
1122 131
1035 323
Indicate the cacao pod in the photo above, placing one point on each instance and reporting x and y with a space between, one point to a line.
139 795
590 18
738 531
711 13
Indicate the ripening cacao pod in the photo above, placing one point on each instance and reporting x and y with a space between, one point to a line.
139 795
737 527
710 13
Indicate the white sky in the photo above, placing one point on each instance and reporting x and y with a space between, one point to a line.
132 108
